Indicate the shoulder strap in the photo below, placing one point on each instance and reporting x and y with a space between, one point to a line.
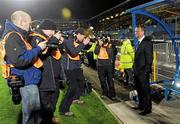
38 35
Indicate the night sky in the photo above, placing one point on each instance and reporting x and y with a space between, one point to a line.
39 9
81 9
43 9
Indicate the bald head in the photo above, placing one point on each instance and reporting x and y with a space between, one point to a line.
21 19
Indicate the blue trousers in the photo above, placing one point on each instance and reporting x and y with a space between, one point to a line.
30 104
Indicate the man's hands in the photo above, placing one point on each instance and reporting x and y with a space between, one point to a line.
61 40
100 42
58 35
43 45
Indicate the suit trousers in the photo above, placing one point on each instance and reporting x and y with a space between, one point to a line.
144 92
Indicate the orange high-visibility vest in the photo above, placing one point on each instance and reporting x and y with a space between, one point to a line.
76 58
103 53
6 67
55 53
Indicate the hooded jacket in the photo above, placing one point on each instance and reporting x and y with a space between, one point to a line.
126 54
18 55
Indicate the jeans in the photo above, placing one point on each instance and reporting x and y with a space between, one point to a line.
30 104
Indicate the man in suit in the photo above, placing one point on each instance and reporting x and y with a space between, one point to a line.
142 69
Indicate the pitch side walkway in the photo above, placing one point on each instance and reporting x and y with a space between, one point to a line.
163 112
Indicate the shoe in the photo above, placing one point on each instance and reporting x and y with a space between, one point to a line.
55 120
145 112
78 101
113 98
103 96
137 108
68 114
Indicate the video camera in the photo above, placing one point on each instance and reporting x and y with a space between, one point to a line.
15 82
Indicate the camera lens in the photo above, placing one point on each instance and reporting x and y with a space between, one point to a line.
15 85
16 96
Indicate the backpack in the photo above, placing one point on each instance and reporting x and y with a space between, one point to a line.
4 66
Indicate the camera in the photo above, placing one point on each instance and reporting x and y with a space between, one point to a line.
66 36
52 45
55 45
63 34
15 82
105 40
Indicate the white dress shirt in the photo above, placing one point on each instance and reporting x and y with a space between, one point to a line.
140 40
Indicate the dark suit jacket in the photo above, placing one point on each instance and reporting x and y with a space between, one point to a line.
143 57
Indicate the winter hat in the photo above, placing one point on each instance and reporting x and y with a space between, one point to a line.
80 30
48 25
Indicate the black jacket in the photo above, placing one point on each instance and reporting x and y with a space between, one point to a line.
110 54
51 68
73 51
144 57
114 50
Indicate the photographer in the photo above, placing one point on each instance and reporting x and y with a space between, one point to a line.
49 85
104 66
23 63
90 52
72 65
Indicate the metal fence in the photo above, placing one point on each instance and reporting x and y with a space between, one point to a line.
165 60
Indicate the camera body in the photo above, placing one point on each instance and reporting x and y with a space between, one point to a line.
52 46
64 35
15 82
105 40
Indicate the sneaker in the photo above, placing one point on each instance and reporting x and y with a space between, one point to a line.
77 101
115 99
55 120
103 96
68 114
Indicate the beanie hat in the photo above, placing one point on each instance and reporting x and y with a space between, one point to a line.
48 25
80 30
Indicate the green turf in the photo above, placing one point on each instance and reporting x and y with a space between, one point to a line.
92 112
8 111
